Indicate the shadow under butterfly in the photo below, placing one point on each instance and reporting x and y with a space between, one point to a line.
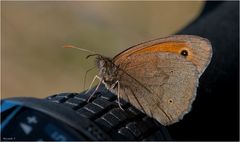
159 77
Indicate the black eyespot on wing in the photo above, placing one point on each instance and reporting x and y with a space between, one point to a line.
184 53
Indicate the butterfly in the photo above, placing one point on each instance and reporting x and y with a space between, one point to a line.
159 77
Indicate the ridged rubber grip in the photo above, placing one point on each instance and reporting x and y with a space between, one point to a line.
103 110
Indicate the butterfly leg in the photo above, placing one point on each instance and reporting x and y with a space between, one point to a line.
118 93
95 90
96 76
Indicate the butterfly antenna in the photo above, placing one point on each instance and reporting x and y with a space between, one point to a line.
82 49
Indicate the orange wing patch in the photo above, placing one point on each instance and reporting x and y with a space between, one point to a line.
173 47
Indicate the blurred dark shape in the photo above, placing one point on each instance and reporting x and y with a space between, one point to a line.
215 113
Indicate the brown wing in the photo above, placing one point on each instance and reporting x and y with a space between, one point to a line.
158 79
161 84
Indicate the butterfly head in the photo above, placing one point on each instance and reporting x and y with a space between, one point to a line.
107 71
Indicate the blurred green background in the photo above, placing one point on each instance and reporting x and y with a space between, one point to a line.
33 62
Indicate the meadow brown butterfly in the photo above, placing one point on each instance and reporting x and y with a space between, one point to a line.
159 77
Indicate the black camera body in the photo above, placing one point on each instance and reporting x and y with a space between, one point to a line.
70 116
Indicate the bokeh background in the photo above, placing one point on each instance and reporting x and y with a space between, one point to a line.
33 62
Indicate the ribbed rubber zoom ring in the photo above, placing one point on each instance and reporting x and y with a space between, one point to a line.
103 110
